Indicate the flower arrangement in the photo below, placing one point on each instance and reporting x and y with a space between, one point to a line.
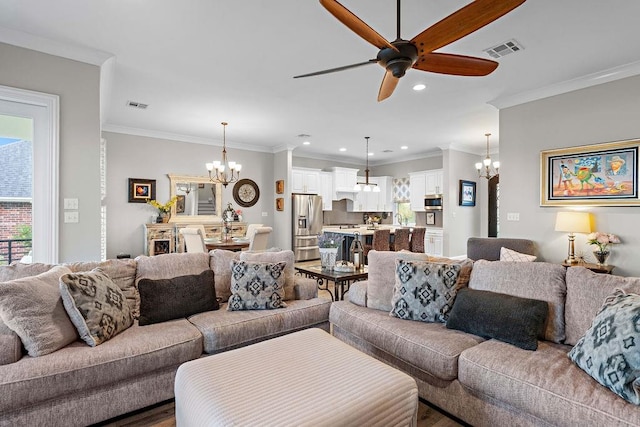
330 240
602 240
163 208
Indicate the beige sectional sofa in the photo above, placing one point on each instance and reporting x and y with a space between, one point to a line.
80 385
487 382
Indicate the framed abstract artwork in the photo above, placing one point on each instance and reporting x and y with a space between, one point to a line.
595 175
141 190
467 196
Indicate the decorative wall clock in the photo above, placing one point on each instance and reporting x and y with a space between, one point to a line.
246 193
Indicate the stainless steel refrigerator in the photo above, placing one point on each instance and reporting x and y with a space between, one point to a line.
307 225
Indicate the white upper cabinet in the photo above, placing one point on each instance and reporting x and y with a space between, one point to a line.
372 201
305 180
423 183
344 179
326 190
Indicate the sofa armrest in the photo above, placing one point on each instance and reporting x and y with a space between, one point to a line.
358 293
305 288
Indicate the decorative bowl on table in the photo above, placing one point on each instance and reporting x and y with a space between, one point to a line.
344 267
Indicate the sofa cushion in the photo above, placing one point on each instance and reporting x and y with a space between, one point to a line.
33 309
18 270
518 321
507 254
543 383
256 286
610 350
224 330
136 352
121 271
536 280
171 265
10 345
220 260
275 257
95 305
424 291
176 298
429 347
586 291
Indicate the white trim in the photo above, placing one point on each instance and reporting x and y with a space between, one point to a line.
600 77
45 174
15 199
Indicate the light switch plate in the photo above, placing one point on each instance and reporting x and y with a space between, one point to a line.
513 216
71 204
71 217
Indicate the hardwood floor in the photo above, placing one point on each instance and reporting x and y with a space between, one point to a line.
163 415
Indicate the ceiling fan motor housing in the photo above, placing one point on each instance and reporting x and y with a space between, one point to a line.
398 62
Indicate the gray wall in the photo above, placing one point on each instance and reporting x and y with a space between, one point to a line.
131 156
305 162
603 113
402 169
78 86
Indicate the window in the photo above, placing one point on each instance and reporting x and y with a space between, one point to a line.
404 209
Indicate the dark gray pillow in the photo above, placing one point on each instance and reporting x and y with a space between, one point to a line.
515 320
176 298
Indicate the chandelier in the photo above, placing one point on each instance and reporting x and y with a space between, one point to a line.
224 172
366 185
484 167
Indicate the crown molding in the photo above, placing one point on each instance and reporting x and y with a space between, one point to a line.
605 76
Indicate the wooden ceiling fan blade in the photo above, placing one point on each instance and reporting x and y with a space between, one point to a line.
333 70
389 83
458 65
356 24
465 21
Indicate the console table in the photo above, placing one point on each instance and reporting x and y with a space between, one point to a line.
596 268
165 238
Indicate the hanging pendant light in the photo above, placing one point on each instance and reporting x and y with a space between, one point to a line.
366 186
484 167
224 172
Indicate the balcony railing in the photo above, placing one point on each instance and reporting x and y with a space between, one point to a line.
13 250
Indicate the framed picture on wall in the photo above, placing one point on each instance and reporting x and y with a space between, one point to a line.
280 186
141 190
280 204
597 175
431 218
467 195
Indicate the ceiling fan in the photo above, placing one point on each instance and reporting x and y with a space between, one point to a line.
400 55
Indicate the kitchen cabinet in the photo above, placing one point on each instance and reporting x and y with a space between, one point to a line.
423 183
305 180
326 190
371 201
434 242
344 179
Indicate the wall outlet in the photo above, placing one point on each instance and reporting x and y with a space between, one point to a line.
71 204
513 216
71 217
265 214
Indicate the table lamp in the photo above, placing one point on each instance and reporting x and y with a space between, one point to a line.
573 222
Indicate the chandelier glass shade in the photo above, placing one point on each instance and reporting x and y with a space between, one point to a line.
366 186
223 171
487 168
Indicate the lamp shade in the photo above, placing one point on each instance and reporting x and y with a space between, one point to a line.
573 222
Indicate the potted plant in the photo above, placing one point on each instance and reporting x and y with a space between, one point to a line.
329 244
164 210
602 241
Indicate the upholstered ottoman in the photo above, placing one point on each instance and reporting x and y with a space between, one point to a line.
307 378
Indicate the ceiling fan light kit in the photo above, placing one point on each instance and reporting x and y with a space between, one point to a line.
397 56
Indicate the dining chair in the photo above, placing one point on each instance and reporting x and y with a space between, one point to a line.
401 239
251 229
193 240
380 241
260 239
198 227
417 239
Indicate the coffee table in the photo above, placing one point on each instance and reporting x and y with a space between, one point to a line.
341 280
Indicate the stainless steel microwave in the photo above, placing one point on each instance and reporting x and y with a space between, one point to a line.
433 202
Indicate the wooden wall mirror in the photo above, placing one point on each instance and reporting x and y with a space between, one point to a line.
199 199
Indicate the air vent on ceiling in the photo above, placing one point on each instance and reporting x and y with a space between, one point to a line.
505 48
387 151
135 104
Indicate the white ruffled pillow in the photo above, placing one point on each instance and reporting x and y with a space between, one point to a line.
513 256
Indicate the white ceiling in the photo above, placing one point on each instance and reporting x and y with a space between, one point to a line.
200 62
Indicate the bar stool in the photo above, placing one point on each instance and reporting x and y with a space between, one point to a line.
401 240
417 239
380 241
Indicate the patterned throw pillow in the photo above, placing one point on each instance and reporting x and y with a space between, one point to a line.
513 256
256 285
97 307
610 350
424 291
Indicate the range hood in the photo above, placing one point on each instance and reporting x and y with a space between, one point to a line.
343 193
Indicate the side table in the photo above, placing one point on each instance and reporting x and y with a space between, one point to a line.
596 268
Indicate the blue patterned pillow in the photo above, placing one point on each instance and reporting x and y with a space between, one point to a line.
257 285
610 349
424 291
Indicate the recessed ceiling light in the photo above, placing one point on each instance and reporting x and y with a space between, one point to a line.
371 154
404 147
343 149
420 86
306 143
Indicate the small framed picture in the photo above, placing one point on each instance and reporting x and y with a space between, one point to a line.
467 195
141 190
279 204
280 186
201 185
431 218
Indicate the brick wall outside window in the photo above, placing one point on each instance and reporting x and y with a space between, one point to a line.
12 215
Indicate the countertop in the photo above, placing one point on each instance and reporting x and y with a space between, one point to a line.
364 231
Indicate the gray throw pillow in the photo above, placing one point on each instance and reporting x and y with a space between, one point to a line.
257 285
97 307
33 309
176 298
610 350
424 291
514 320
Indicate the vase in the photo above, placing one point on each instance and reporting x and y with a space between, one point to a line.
165 217
328 258
601 256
